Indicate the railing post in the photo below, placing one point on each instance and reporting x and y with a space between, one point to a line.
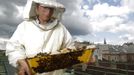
6 71
126 68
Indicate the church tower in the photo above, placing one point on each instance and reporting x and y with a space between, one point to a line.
105 41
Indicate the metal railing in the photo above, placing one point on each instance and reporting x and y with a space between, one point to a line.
103 70
5 69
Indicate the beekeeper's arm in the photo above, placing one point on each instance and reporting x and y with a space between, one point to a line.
15 49
67 40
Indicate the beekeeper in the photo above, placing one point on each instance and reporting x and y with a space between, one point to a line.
41 31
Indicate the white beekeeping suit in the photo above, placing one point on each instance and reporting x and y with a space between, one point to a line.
30 38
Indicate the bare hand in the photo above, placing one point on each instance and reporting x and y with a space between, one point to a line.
23 68
93 60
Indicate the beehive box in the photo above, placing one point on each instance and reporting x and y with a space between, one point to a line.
46 63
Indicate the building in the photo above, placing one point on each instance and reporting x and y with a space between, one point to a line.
124 53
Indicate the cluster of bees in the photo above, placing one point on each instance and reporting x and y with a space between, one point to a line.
47 63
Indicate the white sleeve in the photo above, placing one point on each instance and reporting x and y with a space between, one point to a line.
67 40
15 48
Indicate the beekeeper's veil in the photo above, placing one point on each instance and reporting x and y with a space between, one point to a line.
30 8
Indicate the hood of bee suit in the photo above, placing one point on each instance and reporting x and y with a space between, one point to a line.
30 8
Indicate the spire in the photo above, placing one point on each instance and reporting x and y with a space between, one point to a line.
105 41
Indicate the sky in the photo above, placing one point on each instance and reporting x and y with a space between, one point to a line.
86 20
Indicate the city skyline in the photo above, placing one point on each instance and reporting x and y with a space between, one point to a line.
87 20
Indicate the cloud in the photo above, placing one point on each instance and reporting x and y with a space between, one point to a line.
3 43
128 32
127 38
106 10
9 19
85 7
128 3
73 18
106 18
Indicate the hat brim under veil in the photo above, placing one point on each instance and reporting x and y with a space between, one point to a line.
30 9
